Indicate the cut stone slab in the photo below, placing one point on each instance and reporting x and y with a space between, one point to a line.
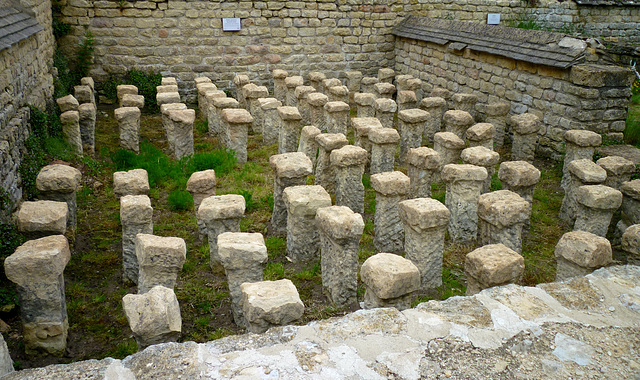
270 303
579 253
492 265
130 100
68 103
132 182
160 259
41 218
391 278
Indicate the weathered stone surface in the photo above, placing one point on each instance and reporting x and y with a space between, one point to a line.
349 162
168 81
390 188
42 218
201 185
136 217
384 142
365 104
448 145
423 164
630 208
59 182
220 213
238 121
361 127
406 100
579 253
167 124
302 202
340 232
385 110
436 107
308 144
6 363
339 94
215 115
596 205
270 119
317 118
87 122
37 267
279 87
316 78
154 317
579 145
270 303
302 93
411 125
457 122
290 125
425 222
337 115
492 265
88 81
167 98
325 174
631 244
353 83
389 280
582 172
525 129
183 131
67 103
240 81
132 182
618 170
465 102
367 83
385 90
130 100
84 94
502 215
496 114
481 134
464 185
124 89
583 138
70 121
330 82
243 256
291 83
386 74
160 259
520 177
482 156
167 88
291 169
129 123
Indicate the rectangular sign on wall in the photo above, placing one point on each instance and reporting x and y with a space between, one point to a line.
230 24
493 19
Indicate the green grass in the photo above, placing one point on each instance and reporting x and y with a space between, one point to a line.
632 127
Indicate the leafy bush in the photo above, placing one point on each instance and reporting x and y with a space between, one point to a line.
146 83
180 200
10 239
84 57
59 28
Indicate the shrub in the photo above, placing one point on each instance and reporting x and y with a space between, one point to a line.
146 83
248 200
63 81
84 57
180 200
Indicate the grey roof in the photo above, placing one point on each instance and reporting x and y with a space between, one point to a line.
620 3
15 26
532 46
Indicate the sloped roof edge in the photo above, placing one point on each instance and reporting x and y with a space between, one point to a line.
17 25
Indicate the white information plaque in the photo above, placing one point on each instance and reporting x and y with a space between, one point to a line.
493 19
230 24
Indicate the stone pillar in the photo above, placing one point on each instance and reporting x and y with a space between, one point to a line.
481 156
425 223
270 120
367 84
308 144
243 256
325 174
124 89
386 75
618 170
406 100
330 82
67 103
267 304
201 185
502 215
339 94
42 218
183 132
210 97
436 108
596 205
240 81
415 85
583 172
220 213
136 217
302 202
464 185
348 163
59 183
449 146
465 102
129 123
496 114
337 114
87 122
579 253
251 94
631 244
316 78
279 87
202 89
525 129
37 267
411 124
71 130
302 94
166 88
401 81
197 80
353 83
340 231
385 110
316 101
154 317
457 122
390 281
390 188
384 90
630 209
84 94
384 143
132 182
216 125
520 177
167 98
290 169
167 124
361 128
423 163
238 122
492 265
290 125
292 82
439 92
365 104
579 145
481 134
160 259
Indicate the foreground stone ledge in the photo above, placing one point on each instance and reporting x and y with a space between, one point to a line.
464 336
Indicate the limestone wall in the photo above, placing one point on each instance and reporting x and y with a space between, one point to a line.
25 78
584 97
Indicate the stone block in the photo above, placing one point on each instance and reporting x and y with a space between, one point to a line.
219 214
160 259
132 182
129 124
167 98
202 185
457 122
41 218
579 253
631 244
492 265
130 100
390 280
270 303
502 215
68 103
136 216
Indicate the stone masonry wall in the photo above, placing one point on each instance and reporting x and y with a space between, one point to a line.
25 79
563 98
